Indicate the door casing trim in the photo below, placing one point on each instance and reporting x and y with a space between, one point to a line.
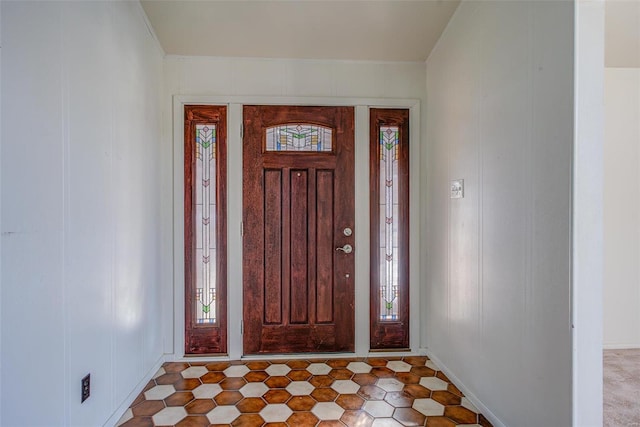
174 301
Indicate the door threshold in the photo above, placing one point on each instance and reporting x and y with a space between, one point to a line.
381 354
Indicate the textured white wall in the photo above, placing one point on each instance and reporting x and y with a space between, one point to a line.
500 116
622 208
81 253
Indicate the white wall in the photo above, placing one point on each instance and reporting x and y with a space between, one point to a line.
271 79
500 116
622 208
81 230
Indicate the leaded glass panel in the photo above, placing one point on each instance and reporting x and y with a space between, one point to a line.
389 217
205 223
299 137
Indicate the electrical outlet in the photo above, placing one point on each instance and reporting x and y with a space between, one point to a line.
86 387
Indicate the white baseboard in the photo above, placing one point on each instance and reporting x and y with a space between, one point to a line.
134 394
621 346
463 388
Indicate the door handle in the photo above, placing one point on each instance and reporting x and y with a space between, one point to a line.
347 249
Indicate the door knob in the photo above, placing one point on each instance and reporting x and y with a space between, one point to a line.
347 249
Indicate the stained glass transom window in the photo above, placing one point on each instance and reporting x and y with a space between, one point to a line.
389 211
299 137
205 223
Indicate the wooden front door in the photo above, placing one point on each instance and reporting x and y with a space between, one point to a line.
298 197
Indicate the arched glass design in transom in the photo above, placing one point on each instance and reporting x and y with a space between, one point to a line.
299 137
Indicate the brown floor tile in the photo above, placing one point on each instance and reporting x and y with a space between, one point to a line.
258 365
174 367
417 391
298 364
148 408
416 360
180 398
377 361
321 380
138 400
168 379
382 372
198 363
446 398
350 401
277 382
399 399
461 415
232 383
356 418
299 375
275 425
151 384
442 376
337 363
409 417
341 374
453 389
301 403
139 422
218 366
408 377
330 423
248 420
300 419
371 392
212 377
276 396
184 384
200 406
324 394
228 398
256 376
483 421
423 371
194 421
251 405
364 379
439 422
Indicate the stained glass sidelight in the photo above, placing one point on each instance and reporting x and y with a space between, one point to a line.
389 215
205 223
299 137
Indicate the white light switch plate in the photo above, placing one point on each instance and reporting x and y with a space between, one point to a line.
457 189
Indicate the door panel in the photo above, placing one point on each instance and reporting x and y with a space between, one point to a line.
298 289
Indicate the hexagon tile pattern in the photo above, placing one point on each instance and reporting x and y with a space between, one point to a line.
402 391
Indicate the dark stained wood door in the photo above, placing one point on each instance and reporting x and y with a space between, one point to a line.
298 197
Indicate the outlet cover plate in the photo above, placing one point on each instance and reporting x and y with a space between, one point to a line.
86 387
457 189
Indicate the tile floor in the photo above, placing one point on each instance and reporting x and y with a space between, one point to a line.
408 391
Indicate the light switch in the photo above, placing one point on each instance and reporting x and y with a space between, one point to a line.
457 189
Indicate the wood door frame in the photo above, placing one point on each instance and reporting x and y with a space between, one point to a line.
390 334
173 296
198 337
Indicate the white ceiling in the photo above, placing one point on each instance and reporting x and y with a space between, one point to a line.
622 33
384 30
